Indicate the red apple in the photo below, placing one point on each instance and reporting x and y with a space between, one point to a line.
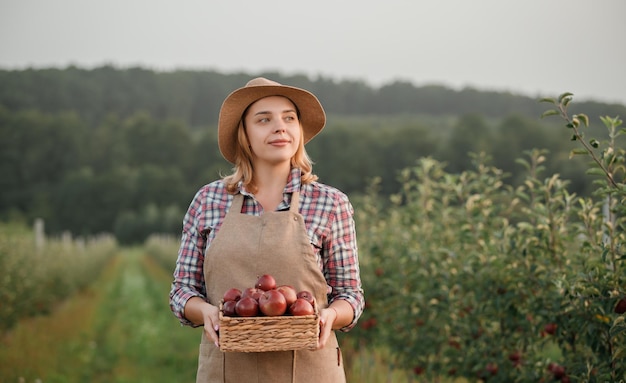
289 292
228 308
454 343
551 366
558 371
252 292
515 356
247 307
272 303
492 368
266 282
304 294
232 295
301 307
550 328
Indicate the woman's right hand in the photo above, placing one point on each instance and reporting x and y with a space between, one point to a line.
200 312
212 323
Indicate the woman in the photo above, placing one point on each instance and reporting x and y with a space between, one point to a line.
270 216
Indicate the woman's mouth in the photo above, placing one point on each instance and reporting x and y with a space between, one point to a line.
280 142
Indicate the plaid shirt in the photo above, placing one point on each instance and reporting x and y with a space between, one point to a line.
328 217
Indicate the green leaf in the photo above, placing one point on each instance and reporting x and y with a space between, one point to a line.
594 143
566 101
564 95
551 112
584 118
619 327
596 171
548 99
619 353
577 152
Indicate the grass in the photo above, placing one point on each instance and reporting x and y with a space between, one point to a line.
364 365
54 345
119 330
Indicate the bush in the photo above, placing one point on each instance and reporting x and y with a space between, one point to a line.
467 277
35 278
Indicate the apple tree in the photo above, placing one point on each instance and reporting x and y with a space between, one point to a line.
469 277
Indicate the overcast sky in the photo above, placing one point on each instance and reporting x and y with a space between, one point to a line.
533 47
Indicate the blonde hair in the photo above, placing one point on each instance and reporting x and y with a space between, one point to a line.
244 172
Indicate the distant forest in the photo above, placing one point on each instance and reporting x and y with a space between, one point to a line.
124 150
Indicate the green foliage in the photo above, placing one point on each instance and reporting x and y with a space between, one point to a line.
100 150
163 249
149 221
195 97
37 277
471 277
89 181
118 330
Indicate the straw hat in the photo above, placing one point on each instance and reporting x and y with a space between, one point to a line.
312 116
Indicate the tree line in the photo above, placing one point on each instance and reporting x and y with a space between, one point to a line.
124 150
194 97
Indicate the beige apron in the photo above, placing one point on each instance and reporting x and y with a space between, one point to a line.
245 247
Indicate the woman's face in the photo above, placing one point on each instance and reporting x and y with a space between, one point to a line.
273 130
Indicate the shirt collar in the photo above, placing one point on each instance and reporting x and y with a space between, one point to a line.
293 183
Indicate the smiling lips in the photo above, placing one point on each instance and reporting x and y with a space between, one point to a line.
280 141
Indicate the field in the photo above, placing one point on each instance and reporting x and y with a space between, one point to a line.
119 329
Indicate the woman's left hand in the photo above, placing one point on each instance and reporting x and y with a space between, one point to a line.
328 316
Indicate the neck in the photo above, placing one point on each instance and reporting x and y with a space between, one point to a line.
271 178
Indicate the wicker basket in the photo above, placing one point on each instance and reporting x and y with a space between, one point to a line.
263 333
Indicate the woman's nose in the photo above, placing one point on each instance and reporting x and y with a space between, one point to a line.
280 127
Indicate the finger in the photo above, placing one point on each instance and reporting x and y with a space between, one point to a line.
211 332
325 327
324 335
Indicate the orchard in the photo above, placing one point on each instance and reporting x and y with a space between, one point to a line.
468 277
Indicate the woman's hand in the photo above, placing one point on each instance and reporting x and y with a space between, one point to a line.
200 312
338 315
212 324
328 316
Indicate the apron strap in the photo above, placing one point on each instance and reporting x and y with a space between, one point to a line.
294 207
236 204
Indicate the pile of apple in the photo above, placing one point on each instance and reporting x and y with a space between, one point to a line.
266 298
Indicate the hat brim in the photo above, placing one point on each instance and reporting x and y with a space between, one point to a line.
312 115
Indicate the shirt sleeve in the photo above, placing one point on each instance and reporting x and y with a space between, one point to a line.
342 267
188 275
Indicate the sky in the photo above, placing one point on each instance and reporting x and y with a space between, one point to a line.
538 48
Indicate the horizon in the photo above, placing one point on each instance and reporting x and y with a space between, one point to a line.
531 48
